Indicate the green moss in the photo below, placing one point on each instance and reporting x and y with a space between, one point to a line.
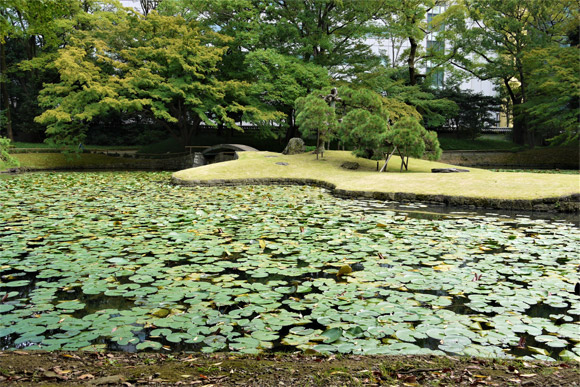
478 183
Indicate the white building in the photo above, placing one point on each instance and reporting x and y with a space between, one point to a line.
394 48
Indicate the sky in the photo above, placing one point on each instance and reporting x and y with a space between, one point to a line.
131 3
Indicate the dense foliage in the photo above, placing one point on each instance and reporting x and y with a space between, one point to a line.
509 41
475 111
362 120
6 161
91 68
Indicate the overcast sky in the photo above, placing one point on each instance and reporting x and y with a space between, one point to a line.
131 3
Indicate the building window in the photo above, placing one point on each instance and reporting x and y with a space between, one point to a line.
435 46
430 17
435 77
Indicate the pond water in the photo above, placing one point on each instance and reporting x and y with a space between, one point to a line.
126 261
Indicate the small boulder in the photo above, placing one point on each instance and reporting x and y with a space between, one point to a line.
281 163
295 146
350 165
198 160
11 170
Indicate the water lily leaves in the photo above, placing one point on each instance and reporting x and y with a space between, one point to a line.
208 276
436 333
331 335
265 335
15 284
177 337
245 345
147 344
454 343
6 308
380 331
70 305
540 351
410 335
325 348
569 356
160 332
215 343
551 341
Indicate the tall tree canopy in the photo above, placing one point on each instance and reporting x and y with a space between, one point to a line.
329 33
497 39
30 30
408 24
553 101
278 80
126 62
183 62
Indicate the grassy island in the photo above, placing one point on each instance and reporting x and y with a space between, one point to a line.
478 183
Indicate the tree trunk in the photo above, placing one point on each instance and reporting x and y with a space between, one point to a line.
186 131
411 61
4 92
291 131
520 128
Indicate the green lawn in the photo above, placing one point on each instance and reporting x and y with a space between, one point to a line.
478 183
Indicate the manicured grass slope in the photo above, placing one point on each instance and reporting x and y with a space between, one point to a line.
477 183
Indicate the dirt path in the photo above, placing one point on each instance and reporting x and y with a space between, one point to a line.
20 368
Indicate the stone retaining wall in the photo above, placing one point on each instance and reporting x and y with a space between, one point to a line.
172 164
569 204
555 158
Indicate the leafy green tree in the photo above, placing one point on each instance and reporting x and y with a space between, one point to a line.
316 117
368 132
492 38
329 33
362 120
290 44
553 104
408 22
413 140
476 111
29 30
433 111
126 62
278 80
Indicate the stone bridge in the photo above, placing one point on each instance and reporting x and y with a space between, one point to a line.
221 148
219 153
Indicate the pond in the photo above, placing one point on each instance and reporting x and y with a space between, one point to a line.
126 261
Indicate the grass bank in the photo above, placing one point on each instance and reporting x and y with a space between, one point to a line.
478 183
